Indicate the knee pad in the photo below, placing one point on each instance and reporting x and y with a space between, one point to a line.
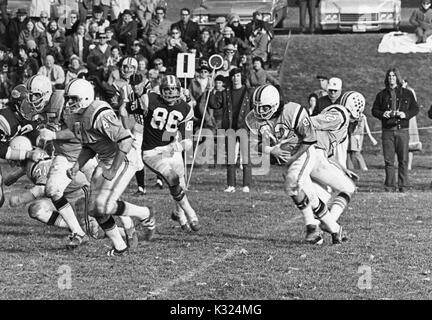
36 208
302 204
172 179
106 222
177 192
53 192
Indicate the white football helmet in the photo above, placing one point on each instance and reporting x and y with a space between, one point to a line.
39 91
128 67
20 143
78 95
170 89
265 100
355 102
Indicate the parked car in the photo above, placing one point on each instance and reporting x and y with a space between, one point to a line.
274 11
359 16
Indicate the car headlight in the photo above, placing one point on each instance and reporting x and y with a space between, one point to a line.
331 17
203 19
386 16
266 16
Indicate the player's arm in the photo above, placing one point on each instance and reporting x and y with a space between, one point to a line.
49 135
85 155
329 120
8 153
185 130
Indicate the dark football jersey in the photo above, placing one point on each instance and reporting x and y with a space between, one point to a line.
162 122
12 126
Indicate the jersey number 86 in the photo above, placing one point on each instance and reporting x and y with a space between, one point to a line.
164 119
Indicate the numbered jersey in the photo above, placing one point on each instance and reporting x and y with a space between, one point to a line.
332 127
162 123
99 129
290 128
11 126
37 172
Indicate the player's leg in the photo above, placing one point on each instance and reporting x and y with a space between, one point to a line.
43 210
2 197
106 222
297 174
110 204
56 184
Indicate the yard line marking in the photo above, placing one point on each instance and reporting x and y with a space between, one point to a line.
165 287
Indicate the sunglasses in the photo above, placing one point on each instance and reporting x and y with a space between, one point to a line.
158 64
159 13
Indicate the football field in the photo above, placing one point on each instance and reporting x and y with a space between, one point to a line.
250 247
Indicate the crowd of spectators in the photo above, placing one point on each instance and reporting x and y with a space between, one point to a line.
93 38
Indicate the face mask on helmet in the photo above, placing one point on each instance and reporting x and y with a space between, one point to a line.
72 104
79 94
265 101
38 93
171 94
26 110
127 71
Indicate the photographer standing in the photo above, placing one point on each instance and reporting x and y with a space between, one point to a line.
394 106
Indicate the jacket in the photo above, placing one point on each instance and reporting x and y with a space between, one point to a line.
189 33
222 100
405 102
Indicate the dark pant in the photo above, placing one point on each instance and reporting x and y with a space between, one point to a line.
231 164
395 142
82 10
310 5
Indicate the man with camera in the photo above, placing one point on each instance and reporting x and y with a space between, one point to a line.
394 106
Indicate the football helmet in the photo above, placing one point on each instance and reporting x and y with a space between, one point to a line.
265 101
170 89
128 67
21 143
39 90
79 94
354 102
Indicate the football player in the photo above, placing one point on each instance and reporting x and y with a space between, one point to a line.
101 133
42 208
294 136
332 130
46 105
167 118
12 124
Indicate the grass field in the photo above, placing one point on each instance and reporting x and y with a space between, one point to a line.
251 245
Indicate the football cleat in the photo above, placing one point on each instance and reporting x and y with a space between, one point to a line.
149 225
230 189
313 235
140 192
131 238
75 240
159 183
2 197
339 237
113 252
194 225
246 189
183 224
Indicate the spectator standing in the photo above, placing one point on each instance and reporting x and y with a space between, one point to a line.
15 26
235 25
198 86
3 28
218 29
394 106
144 10
136 50
150 47
72 23
55 41
414 144
256 23
312 102
98 57
77 44
118 6
258 76
98 17
105 6
310 6
205 45
334 92
83 7
92 34
53 71
231 54
421 18
235 102
260 40
109 32
39 6
30 33
42 24
126 30
3 9
174 46
323 81
160 26
356 133
189 29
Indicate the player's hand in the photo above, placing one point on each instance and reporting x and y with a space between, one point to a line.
401 114
281 154
108 174
46 134
72 172
186 144
374 142
35 155
354 177
387 114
